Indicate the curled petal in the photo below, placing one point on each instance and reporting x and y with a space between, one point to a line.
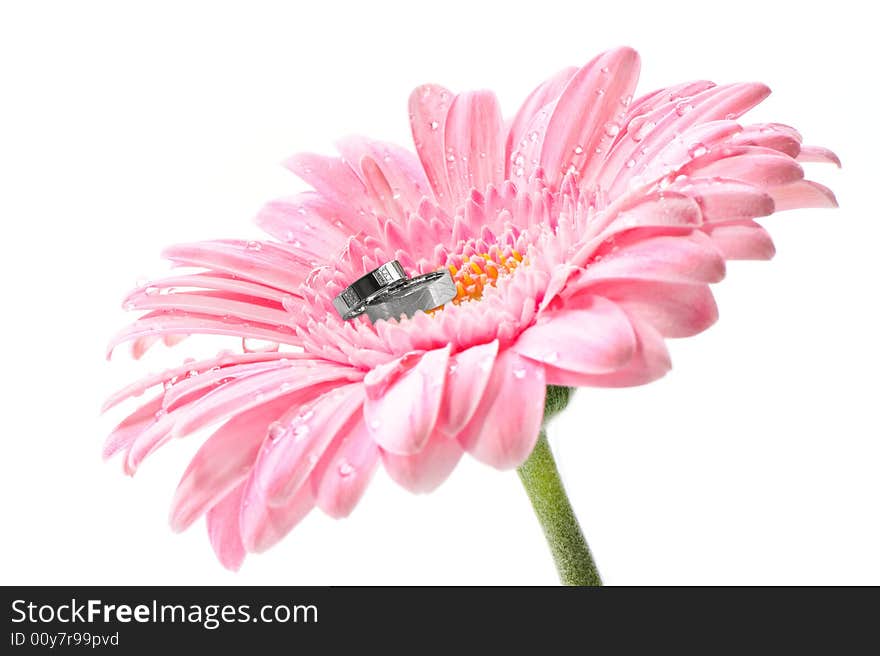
595 338
673 309
802 194
742 240
222 463
341 477
300 439
818 154
650 362
466 381
505 426
424 471
402 406
224 530
263 525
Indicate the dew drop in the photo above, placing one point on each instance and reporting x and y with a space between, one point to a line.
254 245
276 431
434 125
533 136
605 69
151 290
450 157
578 150
551 357
345 469
630 163
519 372
612 129
301 432
626 100
375 424
600 92
697 150
683 108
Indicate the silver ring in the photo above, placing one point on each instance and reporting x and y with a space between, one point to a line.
352 301
426 292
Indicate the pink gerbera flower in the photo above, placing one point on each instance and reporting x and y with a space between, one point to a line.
580 234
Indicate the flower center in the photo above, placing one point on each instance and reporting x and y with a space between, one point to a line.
472 273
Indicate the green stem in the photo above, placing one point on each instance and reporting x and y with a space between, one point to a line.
544 487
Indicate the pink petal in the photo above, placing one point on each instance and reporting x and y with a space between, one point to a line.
403 403
650 362
742 240
505 426
640 117
474 144
301 437
230 286
208 303
466 380
224 531
779 137
681 151
333 178
671 212
341 477
726 102
188 323
424 471
758 166
125 433
545 94
802 194
680 258
428 106
222 463
262 525
725 200
818 154
261 262
399 167
594 338
585 117
673 309
311 235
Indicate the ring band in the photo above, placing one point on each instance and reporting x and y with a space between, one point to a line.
426 292
352 301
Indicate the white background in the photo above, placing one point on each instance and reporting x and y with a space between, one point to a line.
125 127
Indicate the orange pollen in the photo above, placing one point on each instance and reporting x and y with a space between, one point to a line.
477 272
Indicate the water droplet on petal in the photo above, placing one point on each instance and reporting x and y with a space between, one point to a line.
434 125
697 150
551 357
683 108
301 432
533 135
519 372
578 150
611 129
254 245
605 69
345 469
626 100
630 163
276 431
375 424
151 290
